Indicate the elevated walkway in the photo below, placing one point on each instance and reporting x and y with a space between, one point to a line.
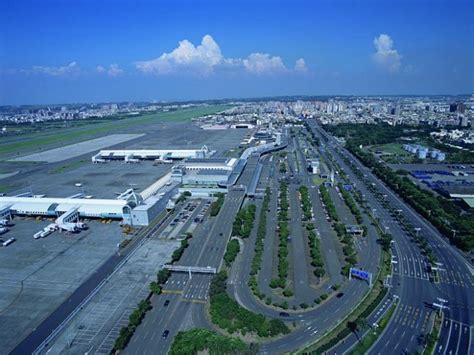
192 269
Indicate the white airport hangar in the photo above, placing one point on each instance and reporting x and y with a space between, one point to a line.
129 207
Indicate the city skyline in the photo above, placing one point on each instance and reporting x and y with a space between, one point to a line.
116 51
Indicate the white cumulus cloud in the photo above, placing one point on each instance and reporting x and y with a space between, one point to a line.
201 59
300 66
66 70
205 58
112 70
385 55
261 63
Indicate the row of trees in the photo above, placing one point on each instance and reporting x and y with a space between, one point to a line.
305 203
201 340
313 139
351 204
330 208
446 216
259 246
179 252
229 315
344 237
134 321
283 234
217 204
315 251
233 248
385 238
313 240
138 314
243 222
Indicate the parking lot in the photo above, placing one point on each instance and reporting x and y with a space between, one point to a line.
37 275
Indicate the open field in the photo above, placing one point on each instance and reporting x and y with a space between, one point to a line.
392 148
49 139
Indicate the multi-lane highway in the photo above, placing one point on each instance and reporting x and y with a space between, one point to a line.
411 280
187 296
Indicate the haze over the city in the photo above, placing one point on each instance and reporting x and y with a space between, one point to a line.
88 51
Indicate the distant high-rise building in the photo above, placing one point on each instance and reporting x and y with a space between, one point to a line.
461 107
463 121
453 107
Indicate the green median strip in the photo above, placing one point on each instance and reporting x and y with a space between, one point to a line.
432 338
372 335
371 300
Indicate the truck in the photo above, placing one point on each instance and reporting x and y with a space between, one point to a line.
82 225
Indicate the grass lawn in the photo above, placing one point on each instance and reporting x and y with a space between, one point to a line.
69 166
393 153
391 148
6 188
318 180
30 142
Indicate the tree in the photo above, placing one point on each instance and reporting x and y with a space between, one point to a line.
361 323
155 288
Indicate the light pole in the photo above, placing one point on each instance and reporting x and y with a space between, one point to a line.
417 230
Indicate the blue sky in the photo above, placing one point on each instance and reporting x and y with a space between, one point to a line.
95 51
